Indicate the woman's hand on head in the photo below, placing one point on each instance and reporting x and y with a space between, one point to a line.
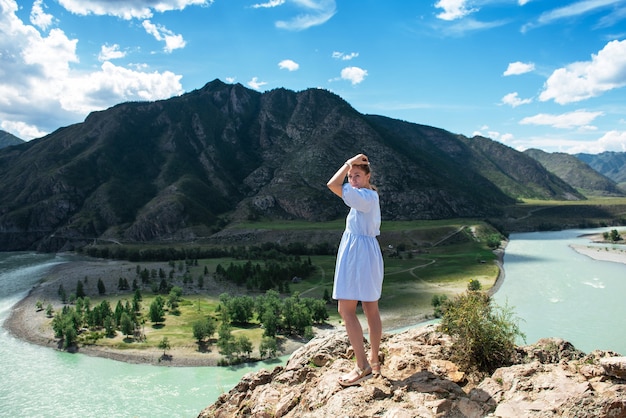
358 159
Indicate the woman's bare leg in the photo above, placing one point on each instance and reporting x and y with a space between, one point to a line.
375 328
347 310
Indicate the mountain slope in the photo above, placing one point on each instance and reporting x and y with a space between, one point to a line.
6 139
516 173
610 164
183 168
576 173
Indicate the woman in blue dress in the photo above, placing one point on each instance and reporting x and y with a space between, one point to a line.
359 266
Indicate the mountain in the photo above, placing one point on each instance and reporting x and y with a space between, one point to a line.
7 139
611 164
577 173
183 168
516 173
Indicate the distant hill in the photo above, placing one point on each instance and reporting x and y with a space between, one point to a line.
611 164
7 139
577 173
184 168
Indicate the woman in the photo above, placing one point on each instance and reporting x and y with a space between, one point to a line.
359 267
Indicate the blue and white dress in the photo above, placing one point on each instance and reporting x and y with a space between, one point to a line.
359 269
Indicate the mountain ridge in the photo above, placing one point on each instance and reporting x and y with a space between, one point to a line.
185 167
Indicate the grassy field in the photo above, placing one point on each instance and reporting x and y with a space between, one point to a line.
422 259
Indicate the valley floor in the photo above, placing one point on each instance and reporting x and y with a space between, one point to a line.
29 324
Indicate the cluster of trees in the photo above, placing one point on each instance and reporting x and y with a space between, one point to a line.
271 275
612 236
263 251
286 316
289 316
101 318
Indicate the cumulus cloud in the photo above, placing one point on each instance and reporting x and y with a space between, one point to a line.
288 65
160 33
570 120
40 18
131 9
517 68
488 133
513 100
613 141
95 90
345 57
353 74
315 13
112 52
454 9
582 80
40 88
255 83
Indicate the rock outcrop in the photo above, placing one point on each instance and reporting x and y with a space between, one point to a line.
549 379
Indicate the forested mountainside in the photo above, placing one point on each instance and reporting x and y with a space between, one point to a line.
185 167
577 173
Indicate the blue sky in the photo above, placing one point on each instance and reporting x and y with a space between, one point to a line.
528 73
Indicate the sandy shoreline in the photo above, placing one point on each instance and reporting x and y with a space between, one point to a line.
616 255
601 250
28 324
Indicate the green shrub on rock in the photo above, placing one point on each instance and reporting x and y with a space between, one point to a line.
483 333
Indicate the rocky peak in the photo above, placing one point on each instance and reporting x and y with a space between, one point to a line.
550 378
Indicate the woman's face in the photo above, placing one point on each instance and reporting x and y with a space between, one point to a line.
358 178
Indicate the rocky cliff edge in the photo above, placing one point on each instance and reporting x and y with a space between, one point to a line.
550 378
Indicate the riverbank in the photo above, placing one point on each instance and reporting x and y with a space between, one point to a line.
601 250
29 324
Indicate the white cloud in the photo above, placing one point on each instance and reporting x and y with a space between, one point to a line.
345 57
40 18
269 4
98 89
583 80
517 68
40 89
316 12
493 134
160 33
523 2
354 74
288 65
112 52
512 100
506 137
613 141
453 9
255 83
22 130
468 25
610 141
132 9
570 120
575 9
